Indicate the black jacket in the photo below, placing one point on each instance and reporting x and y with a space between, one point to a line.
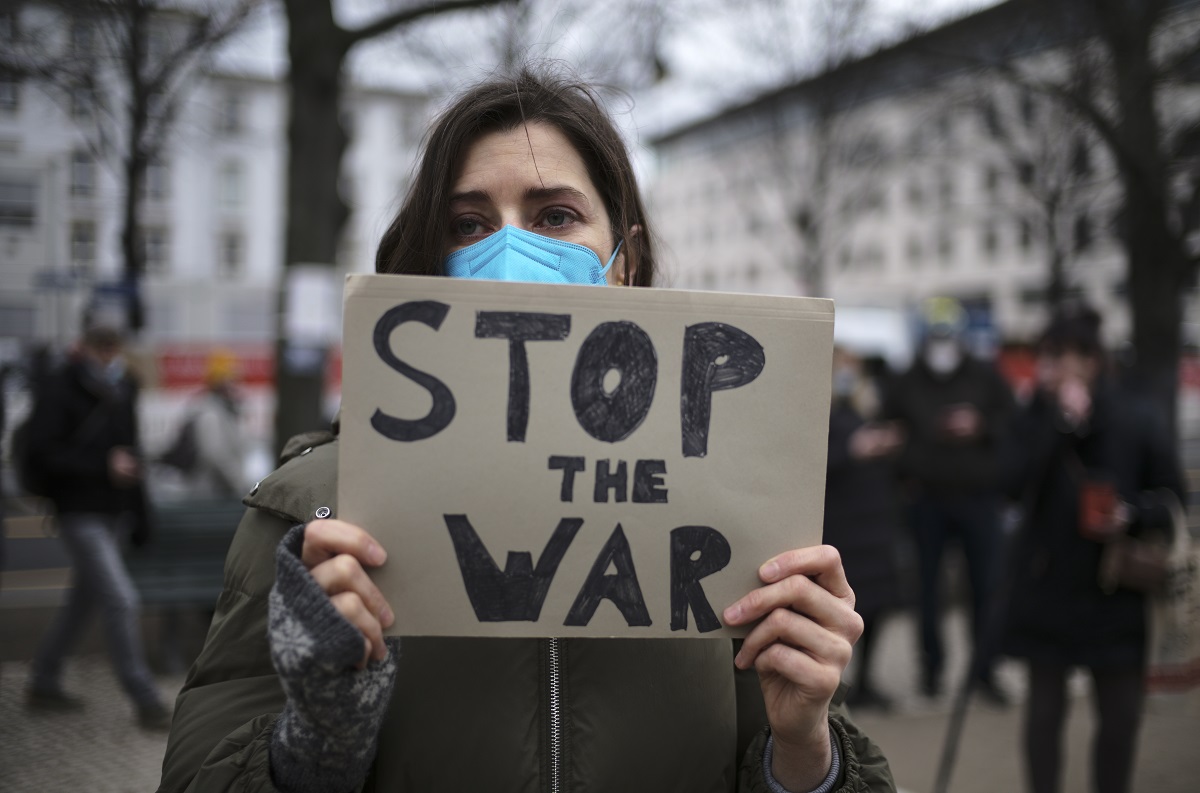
77 421
1058 612
861 518
930 459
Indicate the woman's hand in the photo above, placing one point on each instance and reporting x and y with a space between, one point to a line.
334 553
800 648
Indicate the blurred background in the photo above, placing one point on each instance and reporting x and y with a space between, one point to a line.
205 172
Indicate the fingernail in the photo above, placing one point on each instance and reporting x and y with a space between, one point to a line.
770 570
387 617
733 613
378 555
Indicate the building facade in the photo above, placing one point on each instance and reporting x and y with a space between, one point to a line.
212 218
903 175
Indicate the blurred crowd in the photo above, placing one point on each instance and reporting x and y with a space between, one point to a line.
1035 491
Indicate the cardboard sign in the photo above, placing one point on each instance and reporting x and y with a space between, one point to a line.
579 460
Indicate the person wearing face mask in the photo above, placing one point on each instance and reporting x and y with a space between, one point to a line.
861 515
954 411
522 178
83 437
1088 463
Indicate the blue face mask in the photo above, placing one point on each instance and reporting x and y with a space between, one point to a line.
513 254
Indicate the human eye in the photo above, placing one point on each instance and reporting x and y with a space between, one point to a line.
466 226
558 218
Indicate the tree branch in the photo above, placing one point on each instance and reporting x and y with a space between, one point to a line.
412 14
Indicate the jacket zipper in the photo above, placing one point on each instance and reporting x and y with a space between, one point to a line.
554 668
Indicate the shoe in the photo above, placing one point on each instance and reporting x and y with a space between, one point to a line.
866 697
52 700
990 692
154 717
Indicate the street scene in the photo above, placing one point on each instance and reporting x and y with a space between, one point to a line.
323 466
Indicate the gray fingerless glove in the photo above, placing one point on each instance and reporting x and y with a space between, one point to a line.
325 739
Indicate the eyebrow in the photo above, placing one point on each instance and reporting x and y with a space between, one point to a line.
534 193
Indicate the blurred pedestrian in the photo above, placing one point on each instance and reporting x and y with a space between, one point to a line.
953 410
218 471
861 518
84 439
1081 455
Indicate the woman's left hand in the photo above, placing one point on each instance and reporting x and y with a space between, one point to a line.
800 648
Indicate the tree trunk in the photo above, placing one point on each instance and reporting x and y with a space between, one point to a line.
1155 255
316 212
134 163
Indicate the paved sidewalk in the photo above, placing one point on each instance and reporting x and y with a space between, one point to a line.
102 750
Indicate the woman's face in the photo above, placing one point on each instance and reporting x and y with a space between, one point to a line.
530 177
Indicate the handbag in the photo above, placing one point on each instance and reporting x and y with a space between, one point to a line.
1173 654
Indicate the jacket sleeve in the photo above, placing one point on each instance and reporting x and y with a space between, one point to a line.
864 768
225 714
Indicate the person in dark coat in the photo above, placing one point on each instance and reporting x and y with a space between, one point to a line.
860 509
1079 436
84 438
954 410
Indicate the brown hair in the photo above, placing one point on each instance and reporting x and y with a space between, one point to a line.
415 243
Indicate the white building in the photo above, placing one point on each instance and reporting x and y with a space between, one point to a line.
936 180
212 222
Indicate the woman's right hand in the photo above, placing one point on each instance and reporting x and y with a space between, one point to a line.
335 553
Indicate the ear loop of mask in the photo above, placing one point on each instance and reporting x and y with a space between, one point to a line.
612 259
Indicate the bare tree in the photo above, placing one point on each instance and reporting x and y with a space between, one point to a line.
1049 155
1124 62
125 70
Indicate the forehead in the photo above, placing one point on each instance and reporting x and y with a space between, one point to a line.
534 153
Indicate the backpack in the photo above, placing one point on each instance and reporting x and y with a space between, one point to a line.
30 476
183 454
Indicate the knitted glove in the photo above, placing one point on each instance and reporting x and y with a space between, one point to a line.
325 739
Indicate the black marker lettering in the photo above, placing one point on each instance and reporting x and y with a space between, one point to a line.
569 466
624 347
621 588
686 572
429 313
517 594
716 357
648 487
605 481
519 327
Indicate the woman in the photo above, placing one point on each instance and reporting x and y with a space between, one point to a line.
1080 442
860 509
512 167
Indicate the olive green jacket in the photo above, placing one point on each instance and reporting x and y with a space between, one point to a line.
472 714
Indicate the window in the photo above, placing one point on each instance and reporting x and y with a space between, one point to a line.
991 120
914 252
991 181
916 196
989 241
9 31
83 245
945 188
231 188
1025 172
156 180
83 175
1025 234
17 202
231 254
10 93
155 249
945 247
230 114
